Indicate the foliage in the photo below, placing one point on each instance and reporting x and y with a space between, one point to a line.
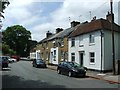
6 49
3 4
17 37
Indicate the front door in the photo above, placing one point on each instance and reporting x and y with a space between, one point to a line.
81 56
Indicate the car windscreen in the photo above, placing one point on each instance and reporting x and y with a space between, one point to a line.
73 64
39 61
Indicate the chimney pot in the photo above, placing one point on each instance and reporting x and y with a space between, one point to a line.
48 34
109 17
59 30
74 23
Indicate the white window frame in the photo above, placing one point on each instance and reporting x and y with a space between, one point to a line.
92 57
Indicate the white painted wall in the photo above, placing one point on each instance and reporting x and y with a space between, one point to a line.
118 46
87 48
106 51
38 54
52 56
108 48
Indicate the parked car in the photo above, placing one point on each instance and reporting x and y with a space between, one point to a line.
71 69
16 57
11 59
39 63
4 61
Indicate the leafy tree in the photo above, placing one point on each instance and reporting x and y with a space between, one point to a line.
17 37
6 49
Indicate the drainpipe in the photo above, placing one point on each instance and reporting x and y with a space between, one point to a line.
101 49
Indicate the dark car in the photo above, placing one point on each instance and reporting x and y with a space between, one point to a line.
4 61
39 63
71 69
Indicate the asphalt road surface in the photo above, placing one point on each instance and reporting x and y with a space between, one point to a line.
22 75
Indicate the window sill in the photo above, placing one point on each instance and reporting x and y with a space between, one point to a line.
91 44
92 63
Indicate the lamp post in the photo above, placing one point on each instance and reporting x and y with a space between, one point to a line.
113 46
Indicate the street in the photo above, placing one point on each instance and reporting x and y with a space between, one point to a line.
22 75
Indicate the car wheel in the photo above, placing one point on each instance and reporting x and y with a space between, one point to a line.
58 71
70 74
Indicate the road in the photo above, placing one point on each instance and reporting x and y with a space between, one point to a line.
22 75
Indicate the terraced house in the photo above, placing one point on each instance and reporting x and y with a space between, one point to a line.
90 44
54 48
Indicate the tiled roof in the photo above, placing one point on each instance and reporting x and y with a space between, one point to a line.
45 39
93 26
63 33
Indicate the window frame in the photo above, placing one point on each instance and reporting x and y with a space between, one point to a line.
72 42
81 41
92 57
72 56
92 39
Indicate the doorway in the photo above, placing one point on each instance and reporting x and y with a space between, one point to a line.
81 58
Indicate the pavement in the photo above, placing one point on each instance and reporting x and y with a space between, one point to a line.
109 77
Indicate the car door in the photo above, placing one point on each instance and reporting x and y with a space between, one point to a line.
66 68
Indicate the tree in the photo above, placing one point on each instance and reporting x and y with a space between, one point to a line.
6 49
17 37
3 5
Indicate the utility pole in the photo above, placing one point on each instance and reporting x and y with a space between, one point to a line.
113 46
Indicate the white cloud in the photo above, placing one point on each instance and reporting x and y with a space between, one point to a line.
18 13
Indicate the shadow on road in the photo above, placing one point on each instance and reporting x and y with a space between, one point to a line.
18 82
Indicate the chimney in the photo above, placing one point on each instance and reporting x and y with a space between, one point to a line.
109 17
74 23
59 30
48 34
94 18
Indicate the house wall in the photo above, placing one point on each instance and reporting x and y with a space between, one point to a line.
87 48
108 48
118 46
58 49
54 60
64 48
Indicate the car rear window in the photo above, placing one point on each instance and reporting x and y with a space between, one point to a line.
4 58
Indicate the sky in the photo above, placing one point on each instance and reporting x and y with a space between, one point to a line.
40 16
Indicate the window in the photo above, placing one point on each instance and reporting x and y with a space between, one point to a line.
92 57
62 42
46 55
54 44
91 38
46 45
72 56
81 41
54 55
73 42
62 54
